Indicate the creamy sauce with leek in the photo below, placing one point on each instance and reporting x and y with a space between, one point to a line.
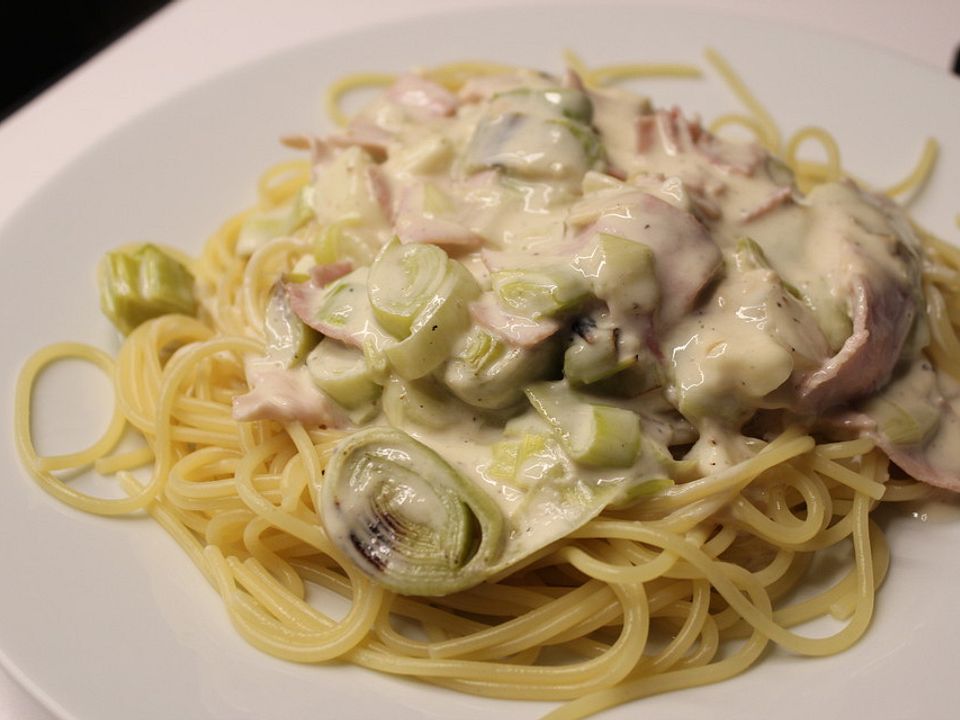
568 299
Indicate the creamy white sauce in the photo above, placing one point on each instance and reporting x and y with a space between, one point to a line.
753 293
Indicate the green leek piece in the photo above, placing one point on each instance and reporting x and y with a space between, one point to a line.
621 272
638 374
438 326
147 283
288 338
373 354
402 280
590 144
339 241
563 102
435 201
277 222
406 517
779 171
910 424
342 373
750 256
343 310
594 435
423 403
596 357
489 374
509 455
830 313
344 191
533 147
540 293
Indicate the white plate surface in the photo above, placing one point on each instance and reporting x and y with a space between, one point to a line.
106 619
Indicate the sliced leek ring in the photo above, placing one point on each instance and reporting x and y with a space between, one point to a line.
540 293
402 280
342 373
438 326
288 338
593 435
489 374
407 518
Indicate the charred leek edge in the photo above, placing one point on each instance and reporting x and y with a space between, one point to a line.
138 286
539 293
407 518
489 374
438 326
342 373
589 361
288 338
593 435
402 280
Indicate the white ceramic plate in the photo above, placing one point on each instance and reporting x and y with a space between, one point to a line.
106 619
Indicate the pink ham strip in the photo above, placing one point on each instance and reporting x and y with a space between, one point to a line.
413 225
773 201
686 256
322 275
513 329
306 297
882 317
286 396
736 158
423 97
914 462
364 134
679 135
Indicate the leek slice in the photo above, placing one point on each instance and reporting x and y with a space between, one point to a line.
586 362
565 102
342 373
509 455
902 425
342 240
534 148
594 435
277 222
406 517
138 286
422 403
438 326
341 310
540 293
489 374
288 338
621 272
345 190
402 280
594 353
